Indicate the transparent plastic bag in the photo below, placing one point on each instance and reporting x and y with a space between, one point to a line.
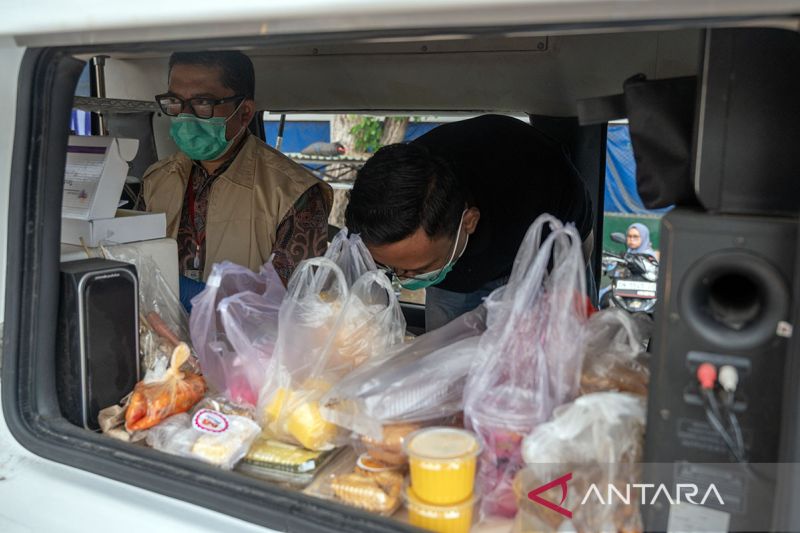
613 343
599 439
419 381
235 355
157 397
208 435
326 331
529 358
167 323
351 255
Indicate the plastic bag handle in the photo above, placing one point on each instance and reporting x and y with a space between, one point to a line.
322 262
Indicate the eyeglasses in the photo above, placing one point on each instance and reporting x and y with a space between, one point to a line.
402 274
201 107
392 273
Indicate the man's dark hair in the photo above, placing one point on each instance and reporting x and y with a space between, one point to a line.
401 188
237 70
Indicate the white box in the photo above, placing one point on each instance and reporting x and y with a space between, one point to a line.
163 251
126 226
94 175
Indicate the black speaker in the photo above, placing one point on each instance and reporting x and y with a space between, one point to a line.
748 123
724 298
98 356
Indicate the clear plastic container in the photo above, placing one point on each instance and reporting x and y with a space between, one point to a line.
442 462
455 518
284 463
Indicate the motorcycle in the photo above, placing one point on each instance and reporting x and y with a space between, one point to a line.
633 280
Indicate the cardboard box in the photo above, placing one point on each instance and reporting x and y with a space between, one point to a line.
94 175
126 226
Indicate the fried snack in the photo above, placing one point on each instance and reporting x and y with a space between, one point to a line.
621 376
390 449
378 493
175 393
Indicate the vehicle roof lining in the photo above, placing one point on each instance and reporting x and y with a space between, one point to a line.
534 74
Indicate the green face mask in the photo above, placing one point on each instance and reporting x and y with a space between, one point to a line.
202 139
434 277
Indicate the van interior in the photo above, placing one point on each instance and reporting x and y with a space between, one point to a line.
560 78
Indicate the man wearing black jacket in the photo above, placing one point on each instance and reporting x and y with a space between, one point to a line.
448 211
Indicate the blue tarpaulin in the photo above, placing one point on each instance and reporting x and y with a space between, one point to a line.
621 195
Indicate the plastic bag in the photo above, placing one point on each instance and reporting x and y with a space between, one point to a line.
325 332
235 355
351 255
613 344
599 439
211 436
529 359
155 399
167 323
419 381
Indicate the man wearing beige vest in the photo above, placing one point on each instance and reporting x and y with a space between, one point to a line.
226 194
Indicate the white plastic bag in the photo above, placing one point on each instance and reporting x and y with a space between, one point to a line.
235 364
529 359
613 344
157 302
416 382
599 439
325 332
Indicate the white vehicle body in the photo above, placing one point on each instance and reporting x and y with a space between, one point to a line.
40 494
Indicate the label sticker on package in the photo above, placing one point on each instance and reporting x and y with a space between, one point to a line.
210 421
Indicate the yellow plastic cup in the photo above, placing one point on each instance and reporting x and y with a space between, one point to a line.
442 463
456 518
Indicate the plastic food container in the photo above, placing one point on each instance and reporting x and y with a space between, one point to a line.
455 518
369 465
442 462
284 463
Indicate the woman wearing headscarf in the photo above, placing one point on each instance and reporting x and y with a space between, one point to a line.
638 240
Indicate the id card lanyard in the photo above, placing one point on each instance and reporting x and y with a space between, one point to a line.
198 240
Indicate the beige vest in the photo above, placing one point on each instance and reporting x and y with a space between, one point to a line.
247 202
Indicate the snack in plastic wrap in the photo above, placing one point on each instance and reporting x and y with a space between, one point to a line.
174 392
157 303
389 449
326 330
346 480
614 340
599 439
377 492
211 436
415 383
234 334
226 407
283 463
530 356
